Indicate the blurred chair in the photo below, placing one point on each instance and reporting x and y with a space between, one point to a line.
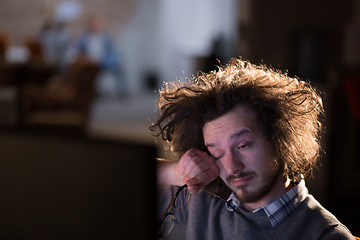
4 43
35 50
11 75
63 101
37 73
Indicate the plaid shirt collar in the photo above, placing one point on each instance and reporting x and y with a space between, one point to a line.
278 210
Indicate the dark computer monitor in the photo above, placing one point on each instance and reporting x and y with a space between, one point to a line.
75 187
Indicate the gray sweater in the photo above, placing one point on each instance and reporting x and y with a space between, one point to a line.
206 217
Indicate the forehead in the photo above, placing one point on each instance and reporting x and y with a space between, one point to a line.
241 117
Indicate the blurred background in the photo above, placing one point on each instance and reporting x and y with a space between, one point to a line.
91 70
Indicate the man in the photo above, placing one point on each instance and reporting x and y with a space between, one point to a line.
96 45
248 133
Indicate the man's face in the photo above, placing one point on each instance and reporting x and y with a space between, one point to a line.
245 157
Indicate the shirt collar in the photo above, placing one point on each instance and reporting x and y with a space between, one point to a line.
278 210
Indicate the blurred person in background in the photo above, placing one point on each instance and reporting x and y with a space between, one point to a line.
96 45
247 137
55 41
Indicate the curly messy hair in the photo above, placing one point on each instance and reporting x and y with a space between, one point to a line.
288 111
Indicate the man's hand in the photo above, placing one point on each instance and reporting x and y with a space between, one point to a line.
197 169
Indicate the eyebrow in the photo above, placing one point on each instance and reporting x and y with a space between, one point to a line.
234 136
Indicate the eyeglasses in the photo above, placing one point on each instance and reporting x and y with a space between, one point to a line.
167 221
181 197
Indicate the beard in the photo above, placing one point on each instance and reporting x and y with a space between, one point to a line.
247 196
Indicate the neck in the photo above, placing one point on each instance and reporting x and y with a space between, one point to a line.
281 186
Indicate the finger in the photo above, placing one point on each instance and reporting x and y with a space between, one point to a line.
185 159
197 163
193 189
196 167
204 178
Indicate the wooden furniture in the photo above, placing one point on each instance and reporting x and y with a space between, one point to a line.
63 101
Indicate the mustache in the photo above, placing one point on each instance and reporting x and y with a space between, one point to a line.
239 175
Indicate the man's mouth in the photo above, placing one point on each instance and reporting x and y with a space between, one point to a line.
241 180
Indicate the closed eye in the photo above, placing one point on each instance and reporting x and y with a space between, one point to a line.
243 145
218 158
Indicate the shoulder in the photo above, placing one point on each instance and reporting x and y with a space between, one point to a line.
318 212
322 221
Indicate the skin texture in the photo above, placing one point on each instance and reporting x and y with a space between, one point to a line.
240 155
196 169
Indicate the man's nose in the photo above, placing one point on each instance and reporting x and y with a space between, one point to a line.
233 163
